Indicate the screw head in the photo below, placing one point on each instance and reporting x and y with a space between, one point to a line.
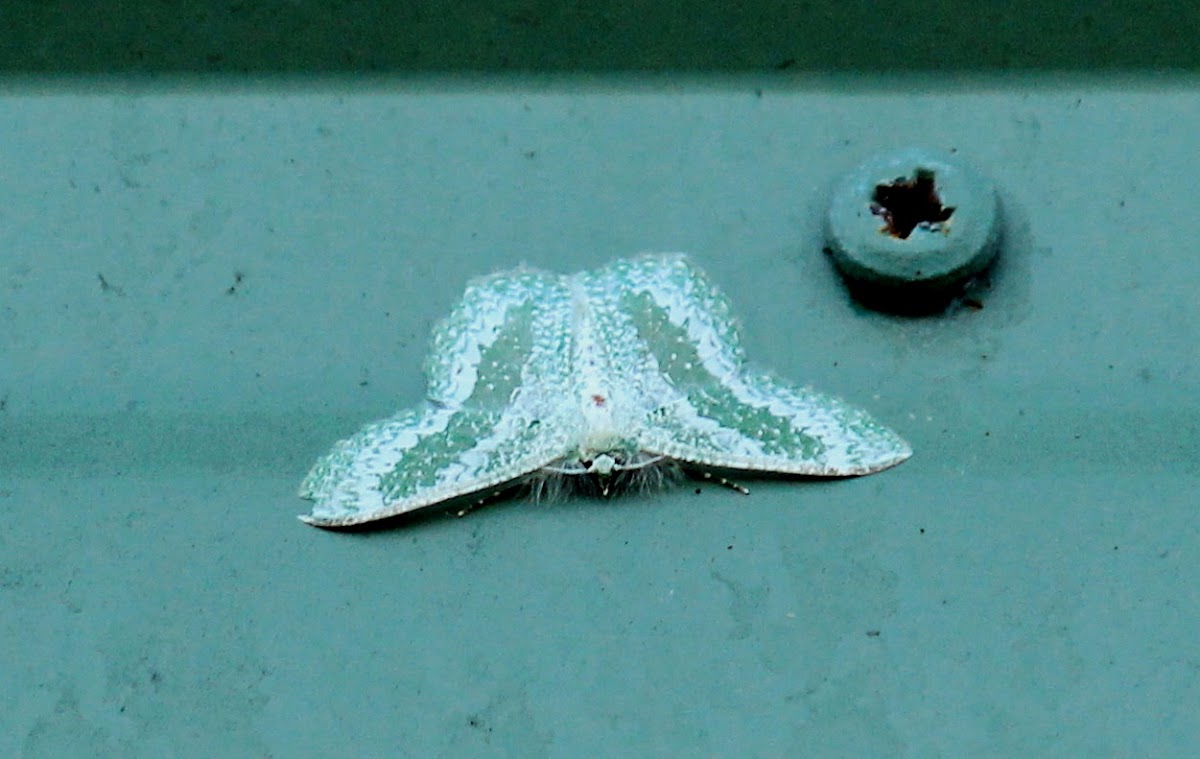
909 228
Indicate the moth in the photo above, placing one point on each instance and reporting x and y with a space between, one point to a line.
603 378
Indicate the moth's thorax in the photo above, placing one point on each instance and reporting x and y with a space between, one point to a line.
602 440
593 373
598 412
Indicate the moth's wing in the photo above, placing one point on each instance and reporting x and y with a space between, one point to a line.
423 457
705 408
496 382
760 423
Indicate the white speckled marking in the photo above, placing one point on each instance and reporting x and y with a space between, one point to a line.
594 374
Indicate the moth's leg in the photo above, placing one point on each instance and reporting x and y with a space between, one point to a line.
726 483
478 503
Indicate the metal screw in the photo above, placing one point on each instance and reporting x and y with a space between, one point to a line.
908 229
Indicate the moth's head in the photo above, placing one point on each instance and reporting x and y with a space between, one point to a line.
604 453
603 462
602 465
604 472
602 468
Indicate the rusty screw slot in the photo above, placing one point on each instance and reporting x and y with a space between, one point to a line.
906 204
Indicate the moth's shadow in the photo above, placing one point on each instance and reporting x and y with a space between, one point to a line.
452 510
543 491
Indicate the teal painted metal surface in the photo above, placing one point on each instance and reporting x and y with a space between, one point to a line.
202 289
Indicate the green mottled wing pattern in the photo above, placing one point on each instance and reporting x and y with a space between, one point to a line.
674 336
497 374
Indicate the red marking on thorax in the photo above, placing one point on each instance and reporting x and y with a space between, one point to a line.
599 400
